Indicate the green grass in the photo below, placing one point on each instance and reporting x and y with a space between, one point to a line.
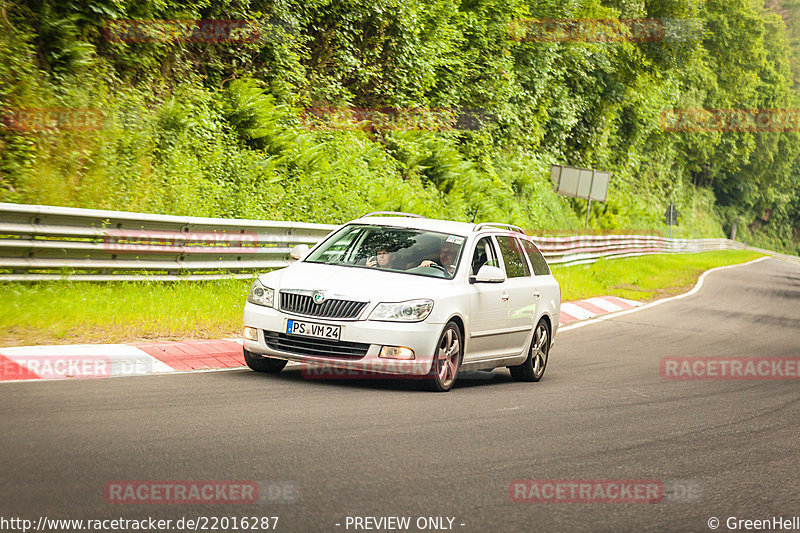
81 311
77 312
642 278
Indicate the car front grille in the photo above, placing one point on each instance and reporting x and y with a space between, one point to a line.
312 346
302 304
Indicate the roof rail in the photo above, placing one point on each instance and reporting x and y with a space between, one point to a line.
498 225
395 213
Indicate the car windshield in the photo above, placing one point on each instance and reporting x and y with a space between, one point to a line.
410 251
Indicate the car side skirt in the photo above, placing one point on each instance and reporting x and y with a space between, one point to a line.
485 364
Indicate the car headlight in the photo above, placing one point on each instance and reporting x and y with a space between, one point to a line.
261 295
410 311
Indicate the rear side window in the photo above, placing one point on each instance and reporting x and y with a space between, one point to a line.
540 267
513 257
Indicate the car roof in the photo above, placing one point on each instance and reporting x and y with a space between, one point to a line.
432 224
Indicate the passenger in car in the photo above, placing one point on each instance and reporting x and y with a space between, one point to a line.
383 258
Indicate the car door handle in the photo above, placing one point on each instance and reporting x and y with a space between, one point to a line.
504 297
536 293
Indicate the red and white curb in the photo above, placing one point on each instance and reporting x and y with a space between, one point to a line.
592 307
112 360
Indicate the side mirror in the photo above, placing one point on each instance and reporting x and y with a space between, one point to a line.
299 251
488 274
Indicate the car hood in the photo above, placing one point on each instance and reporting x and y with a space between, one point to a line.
353 283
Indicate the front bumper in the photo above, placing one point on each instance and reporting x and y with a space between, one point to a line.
421 337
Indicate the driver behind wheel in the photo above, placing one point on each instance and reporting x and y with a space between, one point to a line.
447 257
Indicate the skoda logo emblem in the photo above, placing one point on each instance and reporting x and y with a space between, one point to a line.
318 297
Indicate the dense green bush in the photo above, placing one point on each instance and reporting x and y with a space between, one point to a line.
228 128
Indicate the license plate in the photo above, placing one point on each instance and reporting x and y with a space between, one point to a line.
310 329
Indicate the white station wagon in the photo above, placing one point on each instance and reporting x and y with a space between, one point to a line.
399 294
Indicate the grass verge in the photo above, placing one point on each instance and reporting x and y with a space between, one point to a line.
83 311
643 278
78 312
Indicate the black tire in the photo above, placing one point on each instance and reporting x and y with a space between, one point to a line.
534 366
447 360
263 364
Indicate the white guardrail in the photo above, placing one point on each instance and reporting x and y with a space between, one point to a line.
52 243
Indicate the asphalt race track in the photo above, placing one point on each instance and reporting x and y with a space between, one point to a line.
383 448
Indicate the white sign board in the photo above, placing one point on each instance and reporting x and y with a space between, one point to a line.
580 182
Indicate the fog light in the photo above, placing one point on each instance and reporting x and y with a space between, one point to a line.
396 352
250 334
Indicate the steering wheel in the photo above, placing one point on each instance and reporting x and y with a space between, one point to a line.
438 267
